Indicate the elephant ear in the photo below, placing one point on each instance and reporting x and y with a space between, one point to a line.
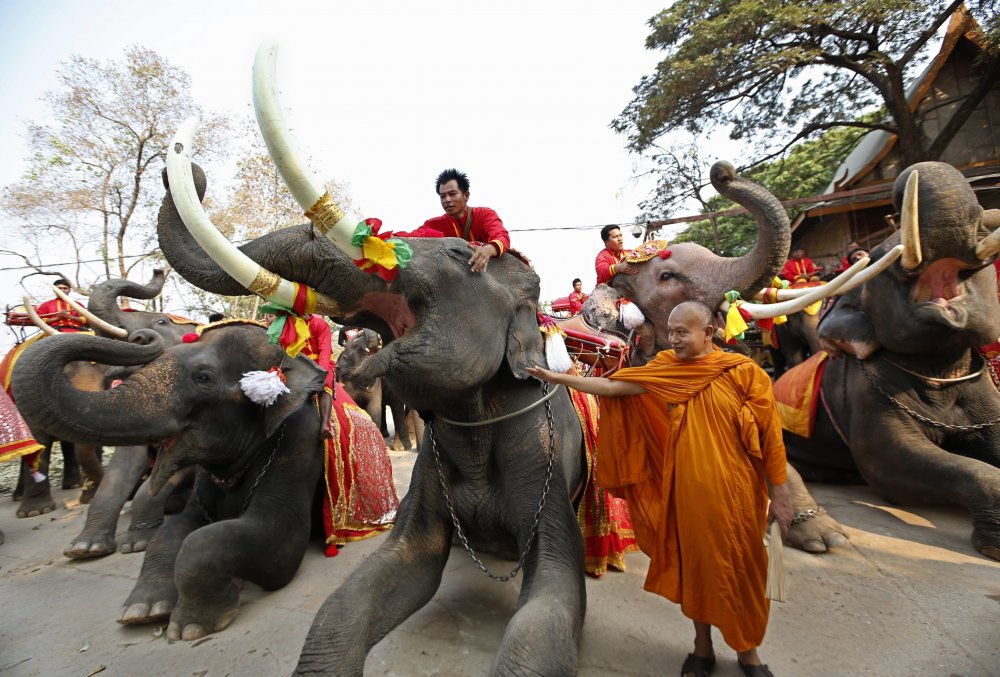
525 347
303 378
846 328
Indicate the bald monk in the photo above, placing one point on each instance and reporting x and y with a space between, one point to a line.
692 444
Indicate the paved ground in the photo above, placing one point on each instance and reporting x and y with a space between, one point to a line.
907 597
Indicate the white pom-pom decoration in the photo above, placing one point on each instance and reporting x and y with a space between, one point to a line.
556 356
630 315
263 387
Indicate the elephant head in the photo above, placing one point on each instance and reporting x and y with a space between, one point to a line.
941 296
103 303
188 396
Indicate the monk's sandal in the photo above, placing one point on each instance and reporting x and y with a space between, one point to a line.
808 514
698 666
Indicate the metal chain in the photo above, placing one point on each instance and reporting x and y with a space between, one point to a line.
538 513
920 417
800 517
253 487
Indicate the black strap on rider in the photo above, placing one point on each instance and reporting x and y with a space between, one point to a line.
467 230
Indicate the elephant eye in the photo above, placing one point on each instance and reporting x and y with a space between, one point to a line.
202 378
161 321
666 275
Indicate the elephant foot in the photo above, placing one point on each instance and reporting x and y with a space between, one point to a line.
89 547
816 534
986 542
191 621
149 603
136 540
32 507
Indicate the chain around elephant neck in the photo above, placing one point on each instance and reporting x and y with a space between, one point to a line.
538 513
474 424
253 487
920 417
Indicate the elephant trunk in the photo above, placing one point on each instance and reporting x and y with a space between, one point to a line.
756 269
103 301
114 417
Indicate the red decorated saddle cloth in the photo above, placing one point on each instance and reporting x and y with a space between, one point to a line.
16 439
361 499
603 349
797 395
603 519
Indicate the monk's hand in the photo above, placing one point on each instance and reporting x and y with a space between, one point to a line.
781 508
481 257
541 373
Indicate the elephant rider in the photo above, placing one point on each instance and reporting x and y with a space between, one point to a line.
577 298
60 315
317 345
478 225
800 268
662 425
610 261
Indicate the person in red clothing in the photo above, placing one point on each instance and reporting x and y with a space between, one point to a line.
800 268
60 315
478 225
610 260
577 298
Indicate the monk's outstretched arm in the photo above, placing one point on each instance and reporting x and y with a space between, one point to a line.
602 387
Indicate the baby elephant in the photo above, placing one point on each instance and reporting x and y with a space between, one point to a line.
233 404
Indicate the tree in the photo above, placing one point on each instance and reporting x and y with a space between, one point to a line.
776 72
93 181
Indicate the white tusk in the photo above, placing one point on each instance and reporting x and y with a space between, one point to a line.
760 311
990 244
856 281
94 320
39 322
326 214
238 265
909 229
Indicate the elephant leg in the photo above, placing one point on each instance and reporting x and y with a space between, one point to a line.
395 581
98 536
154 596
72 477
815 532
36 496
913 470
148 511
399 424
93 470
258 547
543 636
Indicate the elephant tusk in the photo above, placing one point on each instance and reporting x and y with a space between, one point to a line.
910 223
326 215
38 321
760 311
855 281
94 320
990 245
237 265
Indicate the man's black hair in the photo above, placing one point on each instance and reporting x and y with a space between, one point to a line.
62 280
606 231
452 175
215 317
575 280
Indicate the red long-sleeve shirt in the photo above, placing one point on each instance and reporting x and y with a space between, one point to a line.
798 269
319 346
605 262
49 311
486 228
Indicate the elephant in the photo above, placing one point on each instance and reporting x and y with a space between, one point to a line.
922 421
501 453
376 398
797 339
249 514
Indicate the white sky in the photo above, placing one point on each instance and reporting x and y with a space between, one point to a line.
384 95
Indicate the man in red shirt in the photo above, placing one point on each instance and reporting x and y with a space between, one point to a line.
60 315
478 225
800 268
609 261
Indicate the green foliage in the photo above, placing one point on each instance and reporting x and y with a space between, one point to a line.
775 72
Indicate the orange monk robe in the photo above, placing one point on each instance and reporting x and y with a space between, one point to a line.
690 456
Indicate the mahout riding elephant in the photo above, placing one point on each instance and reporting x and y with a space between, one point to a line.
501 454
908 403
375 398
249 514
128 464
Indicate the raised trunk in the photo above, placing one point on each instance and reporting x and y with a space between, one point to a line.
103 302
295 253
123 415
757 268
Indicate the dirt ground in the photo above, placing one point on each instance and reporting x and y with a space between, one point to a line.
908 596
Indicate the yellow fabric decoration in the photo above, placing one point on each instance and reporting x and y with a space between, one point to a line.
380 252
301 335
735 324
814 308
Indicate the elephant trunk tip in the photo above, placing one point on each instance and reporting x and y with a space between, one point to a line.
722 173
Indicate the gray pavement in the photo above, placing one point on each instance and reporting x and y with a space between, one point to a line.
908 596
